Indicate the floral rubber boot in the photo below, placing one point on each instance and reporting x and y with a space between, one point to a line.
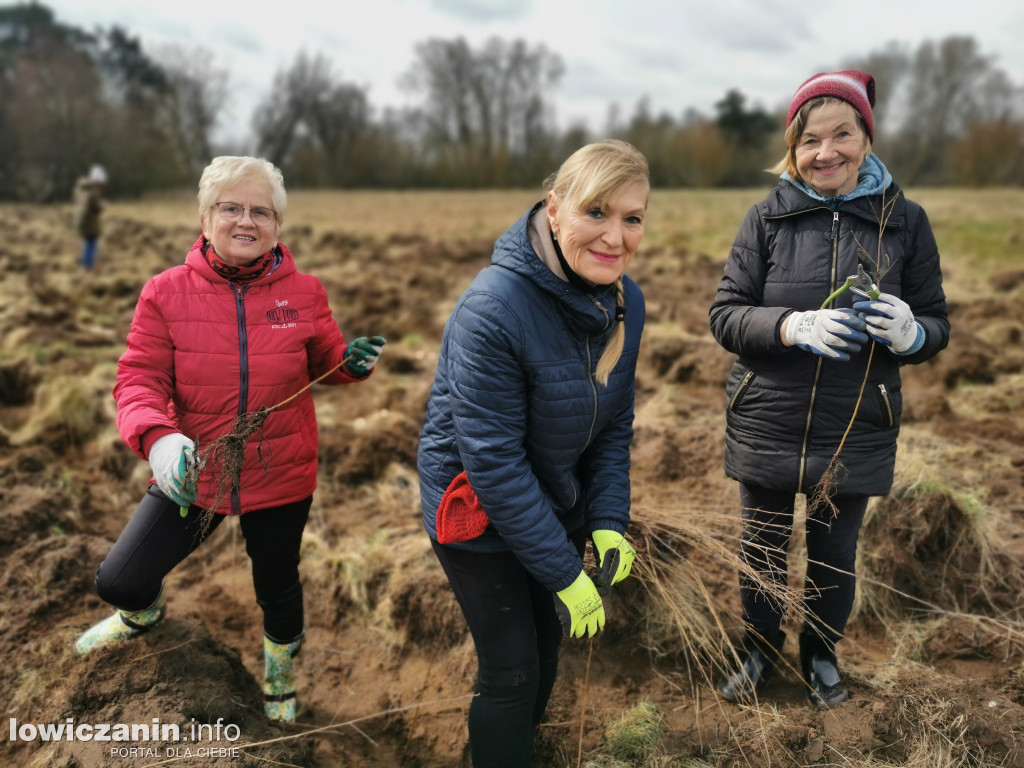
279 679
120 626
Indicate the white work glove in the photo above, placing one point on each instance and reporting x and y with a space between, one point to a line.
890 321
170 459
832 333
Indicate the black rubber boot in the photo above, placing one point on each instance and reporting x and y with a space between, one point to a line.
758 658
825 686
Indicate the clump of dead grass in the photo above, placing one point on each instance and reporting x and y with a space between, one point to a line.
391 580
68 412
926 549
959 636
681 557
926 721
633 739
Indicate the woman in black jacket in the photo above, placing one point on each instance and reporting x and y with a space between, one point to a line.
814 396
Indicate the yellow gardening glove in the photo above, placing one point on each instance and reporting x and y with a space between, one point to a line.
614 558
579 608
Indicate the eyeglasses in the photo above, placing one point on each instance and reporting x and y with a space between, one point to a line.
261 217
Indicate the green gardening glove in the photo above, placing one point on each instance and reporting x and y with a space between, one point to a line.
579 608
362 354
614 559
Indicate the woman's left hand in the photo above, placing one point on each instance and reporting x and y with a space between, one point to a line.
362 354
890 321
614 558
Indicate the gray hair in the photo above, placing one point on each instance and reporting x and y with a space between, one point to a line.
228 171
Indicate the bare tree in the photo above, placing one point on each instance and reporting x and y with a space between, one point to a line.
338 118
278 118
57 121
889 67
308 108
952 87
487 104
196 95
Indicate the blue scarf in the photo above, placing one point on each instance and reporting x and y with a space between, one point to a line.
873 179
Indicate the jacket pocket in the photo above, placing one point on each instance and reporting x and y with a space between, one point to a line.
888 405
741 389
460 516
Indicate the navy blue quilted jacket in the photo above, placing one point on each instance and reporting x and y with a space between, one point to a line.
515 404
788 409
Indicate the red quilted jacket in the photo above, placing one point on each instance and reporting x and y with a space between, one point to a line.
201 351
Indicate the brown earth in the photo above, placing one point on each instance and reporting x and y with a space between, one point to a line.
935 653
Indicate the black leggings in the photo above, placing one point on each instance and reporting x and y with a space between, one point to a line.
517 634
157 538
831 558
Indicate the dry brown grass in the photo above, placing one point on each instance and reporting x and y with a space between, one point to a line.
681 556
928 548
702 220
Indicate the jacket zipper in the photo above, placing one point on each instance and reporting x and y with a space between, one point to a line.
834 234
888 404
591 369
739 390
592 378
243 369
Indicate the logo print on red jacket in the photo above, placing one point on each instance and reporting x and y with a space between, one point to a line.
282 315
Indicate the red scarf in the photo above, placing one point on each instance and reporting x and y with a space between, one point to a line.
246 273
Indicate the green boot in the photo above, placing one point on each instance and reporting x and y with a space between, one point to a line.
120 626
279 679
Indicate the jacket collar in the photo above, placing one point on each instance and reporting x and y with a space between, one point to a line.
593 311
788 199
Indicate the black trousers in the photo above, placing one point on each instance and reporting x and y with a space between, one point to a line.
517 634
830 580
157 538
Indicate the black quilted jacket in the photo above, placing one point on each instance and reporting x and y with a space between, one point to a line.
788 408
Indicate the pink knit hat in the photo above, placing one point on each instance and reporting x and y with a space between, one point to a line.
855 88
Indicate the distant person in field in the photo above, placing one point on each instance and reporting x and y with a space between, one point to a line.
524 452
809 357
88 204
235 327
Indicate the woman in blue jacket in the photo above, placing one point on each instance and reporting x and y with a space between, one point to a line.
814 397
524 452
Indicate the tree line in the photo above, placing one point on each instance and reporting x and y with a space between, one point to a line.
945 115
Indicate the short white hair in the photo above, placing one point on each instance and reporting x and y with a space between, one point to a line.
227 171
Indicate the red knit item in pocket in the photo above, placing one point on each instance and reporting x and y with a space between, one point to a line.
460 516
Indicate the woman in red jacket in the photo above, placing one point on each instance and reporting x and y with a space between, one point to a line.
234 328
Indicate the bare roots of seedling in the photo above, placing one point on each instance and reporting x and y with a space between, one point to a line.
832 478
226 454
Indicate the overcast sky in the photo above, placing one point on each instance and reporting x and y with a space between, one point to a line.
677 53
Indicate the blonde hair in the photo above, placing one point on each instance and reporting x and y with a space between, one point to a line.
796 128
588 178
228 171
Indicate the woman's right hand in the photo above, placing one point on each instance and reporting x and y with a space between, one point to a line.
170 458
832 333
580 608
